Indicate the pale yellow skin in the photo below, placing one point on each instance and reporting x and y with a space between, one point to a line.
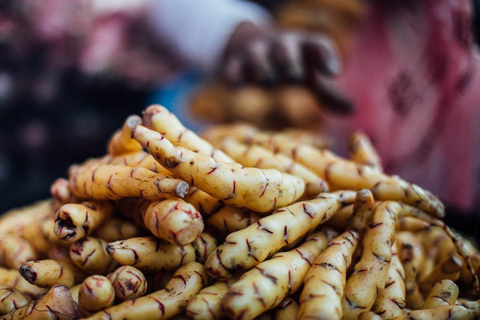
231 219
246 248
313 138
75 221
414 297
136 159
206 305
203 202
158 118
61 192
153 254
256 189
443 293
57 304
391 302
172 220
370 273
48 273
469 311
48 232
164 304
121 143
448 269
11 299
362 210
259 157
96 293
104 182
287 309
33 233
90 254
267 284
362 151
340 220
322 293
14 220
10 278
15 251
340 173
74 292
129 283
115 229
411 224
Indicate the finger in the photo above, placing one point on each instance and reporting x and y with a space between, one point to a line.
320 53
287 58
329 95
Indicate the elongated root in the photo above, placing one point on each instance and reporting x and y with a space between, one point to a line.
266 285
361 151
153 254
15 251
91 254
116 229
258 190
48 273
129 283
75 221
96 293
173 220
231 219
121 142
104 182
322 294
246 248
11 299
207 303
443 293
414 297
164 304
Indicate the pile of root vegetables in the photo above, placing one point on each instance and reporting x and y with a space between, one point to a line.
240 224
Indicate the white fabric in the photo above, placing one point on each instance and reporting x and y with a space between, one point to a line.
200 29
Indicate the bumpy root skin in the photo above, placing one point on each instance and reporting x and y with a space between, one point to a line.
322 294
443 293
468 311
258 190
414 297
129 283
96 293
57 304
361 151
362 210
153 254
246 248
161 120
11 299
90 254
115 229
75 221
206 305
172 220
203 202
231 219
287 309
268 283
13 221
48 273
187 281
114 182
448 269
10 278
259 157
61 193
121 143
15 251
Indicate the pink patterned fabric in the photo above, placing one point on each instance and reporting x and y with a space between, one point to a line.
413 72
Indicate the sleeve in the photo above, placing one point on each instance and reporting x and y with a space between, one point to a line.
199 30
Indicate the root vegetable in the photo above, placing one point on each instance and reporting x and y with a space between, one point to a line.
414 298
268 283
48 273
60 191
48 232
173 220
361 151
469 311
246 248
96 293
153 254
74 292
206 305
90 254
115 229
258 190
129 283
391 302
203 202
121 142
287 309
448 269
11 278
340 220
322 294
231 219
11 299
16 219
164 304
104 182
256 156
411 224
362 210
161 120
75 221
443 293
15 251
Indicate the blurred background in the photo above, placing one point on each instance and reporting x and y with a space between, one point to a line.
72 71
